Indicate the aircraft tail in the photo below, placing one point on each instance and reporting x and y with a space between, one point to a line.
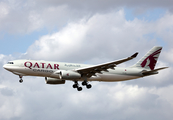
149 61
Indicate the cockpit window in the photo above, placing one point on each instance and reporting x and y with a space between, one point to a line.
10 63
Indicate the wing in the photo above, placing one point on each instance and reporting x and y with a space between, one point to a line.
92 70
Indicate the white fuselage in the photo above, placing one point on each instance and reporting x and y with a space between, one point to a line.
48 69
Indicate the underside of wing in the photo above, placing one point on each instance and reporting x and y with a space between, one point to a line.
92 70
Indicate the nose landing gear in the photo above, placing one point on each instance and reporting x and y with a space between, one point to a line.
21 80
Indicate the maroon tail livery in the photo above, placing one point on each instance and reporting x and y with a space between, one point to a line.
150 59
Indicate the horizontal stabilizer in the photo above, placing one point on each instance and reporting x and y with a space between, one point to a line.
152 72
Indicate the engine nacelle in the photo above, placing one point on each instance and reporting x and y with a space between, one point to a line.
69 75
50 80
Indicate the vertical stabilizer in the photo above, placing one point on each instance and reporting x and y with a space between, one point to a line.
150 59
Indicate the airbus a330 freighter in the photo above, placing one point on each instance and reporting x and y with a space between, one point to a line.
59 72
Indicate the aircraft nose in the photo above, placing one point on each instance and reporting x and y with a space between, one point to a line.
6 67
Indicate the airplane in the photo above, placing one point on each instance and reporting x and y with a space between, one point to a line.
59 72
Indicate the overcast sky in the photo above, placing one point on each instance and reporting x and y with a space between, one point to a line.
91 32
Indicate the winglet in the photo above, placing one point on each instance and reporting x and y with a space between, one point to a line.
134 55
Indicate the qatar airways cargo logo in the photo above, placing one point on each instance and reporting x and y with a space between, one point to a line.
31 65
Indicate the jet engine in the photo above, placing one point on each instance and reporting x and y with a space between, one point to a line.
50 80
69 75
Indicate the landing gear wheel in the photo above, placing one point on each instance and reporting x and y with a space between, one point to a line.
84 83
88 86
79 88
20 80
75 86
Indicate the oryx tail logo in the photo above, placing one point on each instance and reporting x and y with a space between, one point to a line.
151 60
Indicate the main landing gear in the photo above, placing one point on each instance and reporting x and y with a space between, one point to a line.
84 83
21 80
76 85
